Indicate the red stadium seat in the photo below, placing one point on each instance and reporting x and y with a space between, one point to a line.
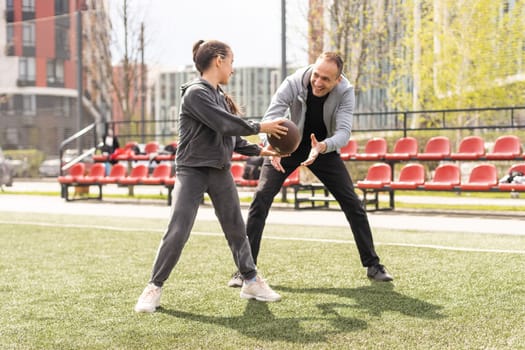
74 173
237 170
446 177
127 153
375 149
137 173
505 148
436 148
482 178
104 157
377 180
170 181
117 172
378 175
293 179
470 148
97 171
150 151
236 157
348 152
168 153
510 186
405 148
159 175
410 177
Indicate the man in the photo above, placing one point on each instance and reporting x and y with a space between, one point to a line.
320 100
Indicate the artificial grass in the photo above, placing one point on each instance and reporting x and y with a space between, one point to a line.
70 282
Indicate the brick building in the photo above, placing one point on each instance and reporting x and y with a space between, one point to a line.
39 69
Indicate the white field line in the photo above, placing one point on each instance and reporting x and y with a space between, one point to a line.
319 240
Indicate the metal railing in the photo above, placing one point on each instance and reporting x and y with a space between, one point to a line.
446 119
396 123
82 154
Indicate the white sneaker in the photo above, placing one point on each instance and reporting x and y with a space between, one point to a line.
149 300
258 290
236 280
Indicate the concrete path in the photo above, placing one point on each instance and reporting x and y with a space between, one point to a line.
384 220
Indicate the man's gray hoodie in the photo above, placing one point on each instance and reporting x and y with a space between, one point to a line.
290 100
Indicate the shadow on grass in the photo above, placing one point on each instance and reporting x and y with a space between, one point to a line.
259 322
375 299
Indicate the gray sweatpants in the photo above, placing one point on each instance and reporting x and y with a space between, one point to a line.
190 185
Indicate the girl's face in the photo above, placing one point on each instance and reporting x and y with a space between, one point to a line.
225 67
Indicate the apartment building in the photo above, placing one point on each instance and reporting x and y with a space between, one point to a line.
251 87
39 67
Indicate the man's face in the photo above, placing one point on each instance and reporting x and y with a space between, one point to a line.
325 76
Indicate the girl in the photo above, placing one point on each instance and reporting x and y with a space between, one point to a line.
210 131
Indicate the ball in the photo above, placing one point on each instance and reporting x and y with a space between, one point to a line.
288 143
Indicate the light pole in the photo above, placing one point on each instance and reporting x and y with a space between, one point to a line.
283 40
80 87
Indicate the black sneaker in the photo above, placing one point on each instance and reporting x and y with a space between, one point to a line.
379 273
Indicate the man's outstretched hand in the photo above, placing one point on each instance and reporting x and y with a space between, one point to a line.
317 148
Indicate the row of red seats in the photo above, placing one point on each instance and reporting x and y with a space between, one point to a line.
118 175
447 177
161 175
131 152
507 147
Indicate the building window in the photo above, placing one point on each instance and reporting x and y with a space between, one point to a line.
11 135
9 5
10 34
55 71
26 69
28 5
66 107
28 34
10 42
62 41
29 104
61 6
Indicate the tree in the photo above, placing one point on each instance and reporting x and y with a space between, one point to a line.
128 75
431 54
128 78
362 33
470 54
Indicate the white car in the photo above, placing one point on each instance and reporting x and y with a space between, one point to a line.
49 168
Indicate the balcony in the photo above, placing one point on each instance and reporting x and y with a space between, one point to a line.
21 82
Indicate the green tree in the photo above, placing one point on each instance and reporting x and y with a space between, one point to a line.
362 34
464 54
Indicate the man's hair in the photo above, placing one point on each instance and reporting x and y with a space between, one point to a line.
333 57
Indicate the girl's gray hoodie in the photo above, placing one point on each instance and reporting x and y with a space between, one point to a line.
208 133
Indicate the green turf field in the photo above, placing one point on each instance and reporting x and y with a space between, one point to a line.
71 283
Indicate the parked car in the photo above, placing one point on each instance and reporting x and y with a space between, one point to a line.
6 172
49 168
19 167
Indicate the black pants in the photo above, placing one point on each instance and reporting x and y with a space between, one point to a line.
331 171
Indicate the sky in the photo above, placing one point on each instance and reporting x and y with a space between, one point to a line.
252 28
